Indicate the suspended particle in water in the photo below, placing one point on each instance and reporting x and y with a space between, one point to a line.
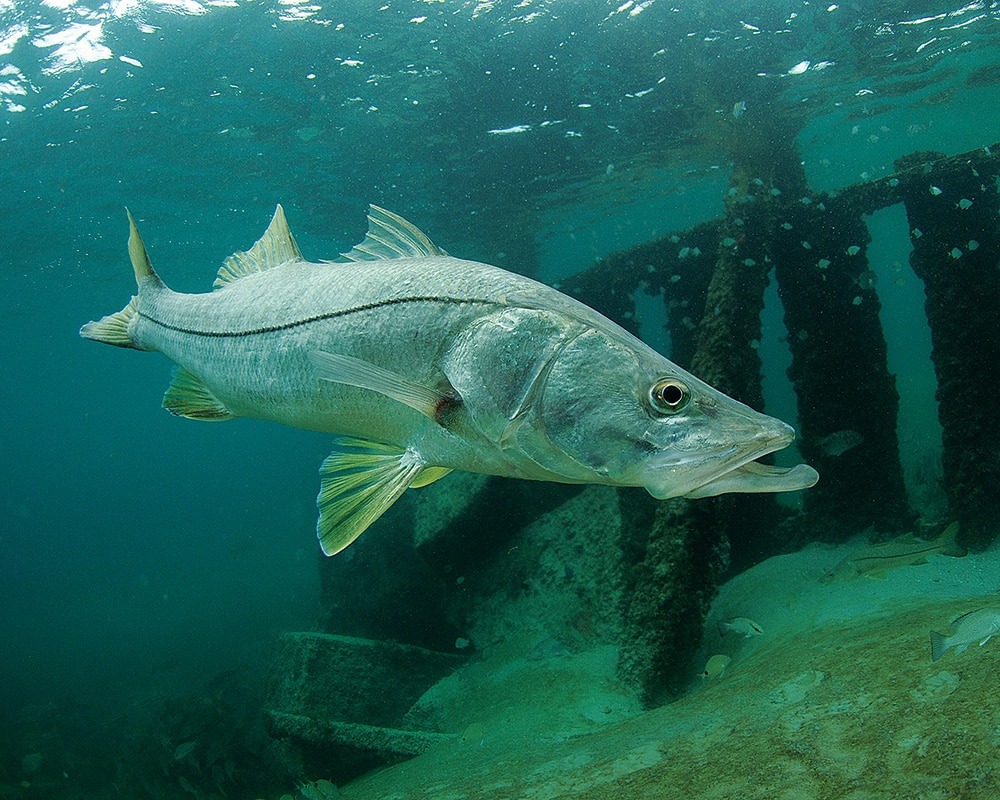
749 262
894 182
786 225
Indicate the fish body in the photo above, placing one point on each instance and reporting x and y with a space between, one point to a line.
838 443
420 363
976 626
744 626
875 561
715 667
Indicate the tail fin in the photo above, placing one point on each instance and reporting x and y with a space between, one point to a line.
114 328
949 547
939 643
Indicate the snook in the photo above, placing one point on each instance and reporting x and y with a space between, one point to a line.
421 363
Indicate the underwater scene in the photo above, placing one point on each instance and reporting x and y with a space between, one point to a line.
607 399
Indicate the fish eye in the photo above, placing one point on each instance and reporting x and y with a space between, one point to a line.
668 396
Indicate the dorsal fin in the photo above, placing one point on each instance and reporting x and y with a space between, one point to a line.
390 236
137 254
276 246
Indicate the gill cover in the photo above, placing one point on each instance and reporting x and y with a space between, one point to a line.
584 415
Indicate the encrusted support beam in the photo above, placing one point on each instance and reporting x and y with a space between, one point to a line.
953 211
847 399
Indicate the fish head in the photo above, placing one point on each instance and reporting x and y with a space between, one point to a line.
616 412
846 570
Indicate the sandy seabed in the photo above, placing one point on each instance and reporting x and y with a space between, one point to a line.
838 699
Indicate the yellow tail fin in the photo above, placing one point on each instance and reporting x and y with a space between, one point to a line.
114 328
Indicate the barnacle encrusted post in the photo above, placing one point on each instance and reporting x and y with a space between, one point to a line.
839 368
953 210
677 551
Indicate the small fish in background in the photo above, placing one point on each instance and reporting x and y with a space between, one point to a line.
838 443
184 749
976 626
715 667
739 108
744 626
875 561
474 733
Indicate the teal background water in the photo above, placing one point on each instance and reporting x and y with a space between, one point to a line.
139 551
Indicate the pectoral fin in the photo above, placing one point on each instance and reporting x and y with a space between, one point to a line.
351 371
359 480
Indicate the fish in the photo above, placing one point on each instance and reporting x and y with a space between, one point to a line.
839 442
976 626
419 363
741 625
715 667
876 560
183 749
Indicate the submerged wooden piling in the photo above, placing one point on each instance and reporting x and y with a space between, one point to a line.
847 400
954 211
817 243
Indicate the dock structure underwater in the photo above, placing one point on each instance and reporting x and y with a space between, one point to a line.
816 245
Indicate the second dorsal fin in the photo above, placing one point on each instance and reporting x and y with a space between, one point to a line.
276 246
391 236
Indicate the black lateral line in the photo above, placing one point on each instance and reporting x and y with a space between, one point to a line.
318 317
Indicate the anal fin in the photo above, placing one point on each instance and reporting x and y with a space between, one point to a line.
428 475
188 397
359 481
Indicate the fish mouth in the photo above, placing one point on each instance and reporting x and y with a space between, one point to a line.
732 469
